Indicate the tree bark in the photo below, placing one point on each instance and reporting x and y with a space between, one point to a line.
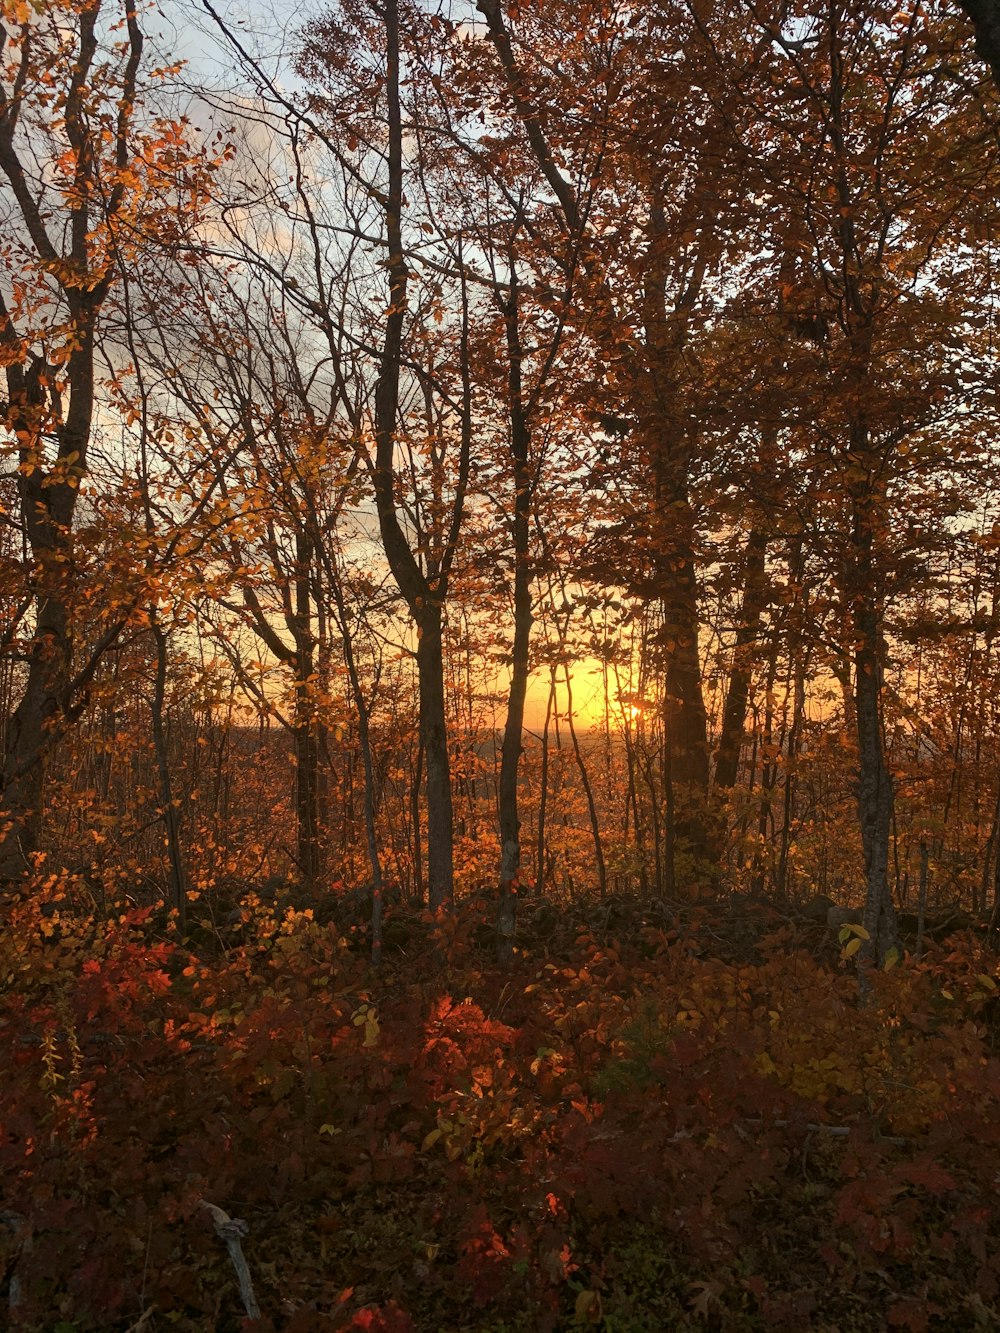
510 758
671 539
434 736
755 598
985 17
305 732
588 790
543 787
171 822
875 793
48 507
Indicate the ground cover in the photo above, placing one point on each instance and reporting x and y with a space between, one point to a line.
652 1120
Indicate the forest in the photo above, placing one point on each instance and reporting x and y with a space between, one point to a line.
499 648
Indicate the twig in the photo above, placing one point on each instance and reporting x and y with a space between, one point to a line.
232 1230
141 1325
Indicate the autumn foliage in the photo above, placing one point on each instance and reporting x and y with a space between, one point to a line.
499 616
685 1126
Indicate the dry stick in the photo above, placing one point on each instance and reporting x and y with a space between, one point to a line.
16 1223
232 1230
833 1131
142 1324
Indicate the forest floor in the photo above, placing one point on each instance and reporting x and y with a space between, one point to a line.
652 1120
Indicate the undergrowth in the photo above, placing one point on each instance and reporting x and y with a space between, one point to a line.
631 1129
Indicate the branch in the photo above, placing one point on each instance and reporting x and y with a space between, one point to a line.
529 114
232 1230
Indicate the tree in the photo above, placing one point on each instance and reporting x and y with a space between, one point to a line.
87 190
874 232
640 241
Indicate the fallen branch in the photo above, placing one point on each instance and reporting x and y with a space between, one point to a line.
834 1131
15 1223
232 1230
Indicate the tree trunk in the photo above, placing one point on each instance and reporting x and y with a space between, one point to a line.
671 537
306 738
755 598
875 795
684 719
434 735
985 16
29 736
425 594
48 508
168 807
416 848
306 752
510 759
543 788
788 815
875 798
364 708
588 790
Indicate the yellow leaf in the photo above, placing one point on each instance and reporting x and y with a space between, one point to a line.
588 1309
430 1140
851 948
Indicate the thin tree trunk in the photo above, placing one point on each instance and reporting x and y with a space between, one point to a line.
417 832
425 595
363 707
672 533
306 741
767 775
595 827
875 795
543 781
433 732
755 599
509 817
989 851
168 806
922 899
791 766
